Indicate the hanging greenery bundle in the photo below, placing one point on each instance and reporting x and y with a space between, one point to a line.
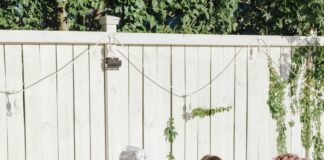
306 83
277 107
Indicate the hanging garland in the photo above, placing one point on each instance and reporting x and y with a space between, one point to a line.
308 63
277 107
171 133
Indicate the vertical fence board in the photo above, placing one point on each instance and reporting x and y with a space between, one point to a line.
3 107
33 108
16 126
48 100
258 125
135 97
81 103
178 106
204 101
97 106
264 111
150 101
222 96
65 103
118 106
240 103
252 128
192 102
275 55
218 122
163 105
157 107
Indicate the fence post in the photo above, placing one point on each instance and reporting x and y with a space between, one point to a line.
109 25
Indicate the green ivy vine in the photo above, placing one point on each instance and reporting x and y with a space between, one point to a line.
308 65
171 133
277 107
202 112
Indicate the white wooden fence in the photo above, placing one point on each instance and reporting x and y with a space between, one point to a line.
63 116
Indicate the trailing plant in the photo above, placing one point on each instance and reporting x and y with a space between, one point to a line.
202 112
277 107
308 63
170 134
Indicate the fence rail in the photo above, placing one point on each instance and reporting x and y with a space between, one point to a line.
63 116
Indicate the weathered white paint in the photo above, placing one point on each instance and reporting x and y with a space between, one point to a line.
65 113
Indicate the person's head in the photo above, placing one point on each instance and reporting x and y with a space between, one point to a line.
210 157
288 156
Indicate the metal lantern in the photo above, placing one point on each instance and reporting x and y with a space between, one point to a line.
112 63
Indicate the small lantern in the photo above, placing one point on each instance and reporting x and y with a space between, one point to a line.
113 63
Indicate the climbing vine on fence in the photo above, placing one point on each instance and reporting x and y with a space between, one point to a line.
170 134
277 107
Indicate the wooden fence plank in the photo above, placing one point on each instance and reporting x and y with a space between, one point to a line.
178 106
16 125
161 113
204 131
97 106
264 120
48 100
157 107
223 95
3 107
150 100
33 106
81 103
258 125
275 54
240 104
192 102
135 97
118 106
252 125
65 103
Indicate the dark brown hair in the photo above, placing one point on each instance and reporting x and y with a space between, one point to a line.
288 156
210 157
